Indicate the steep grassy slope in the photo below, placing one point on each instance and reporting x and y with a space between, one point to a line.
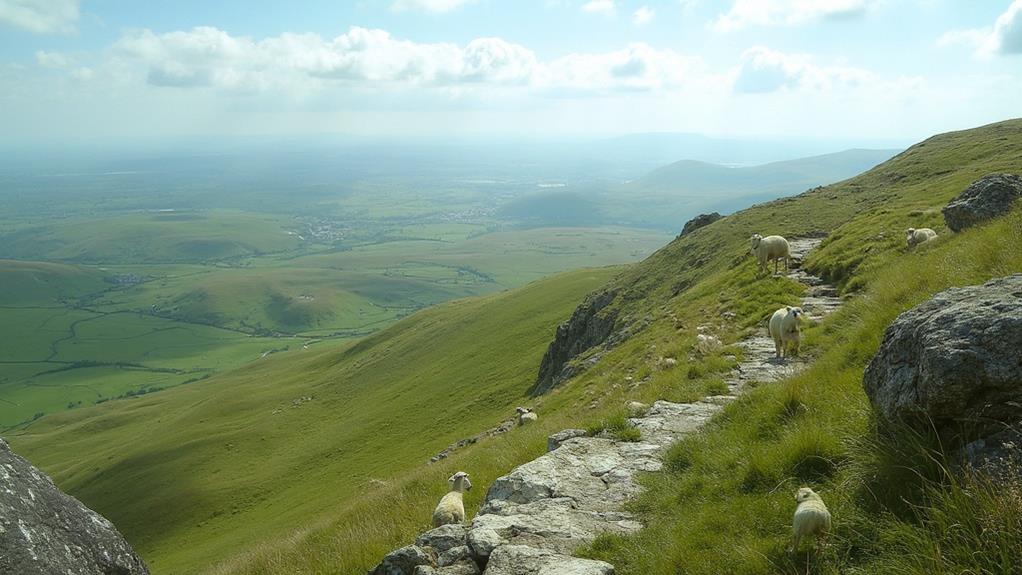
725 503
797 431
199 474
195 474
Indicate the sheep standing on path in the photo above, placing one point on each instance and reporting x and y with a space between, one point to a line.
784 329
914 236
526 416
812 519
451 508
771 248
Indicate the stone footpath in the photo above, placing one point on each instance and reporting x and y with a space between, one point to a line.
534 517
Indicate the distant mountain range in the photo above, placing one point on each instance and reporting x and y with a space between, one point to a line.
668 196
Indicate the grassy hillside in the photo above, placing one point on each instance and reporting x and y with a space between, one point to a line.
210 479
195 474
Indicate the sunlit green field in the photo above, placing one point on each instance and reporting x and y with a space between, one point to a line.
146 301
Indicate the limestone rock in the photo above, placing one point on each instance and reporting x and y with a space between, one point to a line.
443 538
482 542
955 360
985 199
45 531
698 222
555 440
404 561
522 560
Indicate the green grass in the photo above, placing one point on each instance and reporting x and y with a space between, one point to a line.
198 314
232 477
201 472
725 502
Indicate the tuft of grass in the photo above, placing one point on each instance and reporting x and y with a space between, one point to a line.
617 426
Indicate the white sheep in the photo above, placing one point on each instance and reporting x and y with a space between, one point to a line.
784 329
526 416
771 248
451 508
811 519
914 236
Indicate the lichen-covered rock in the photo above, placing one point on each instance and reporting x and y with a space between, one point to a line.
443 538
555 440
954 360
404 561
482 542
454 555
44 531
985 199
523 560
698 222
998 456
590 325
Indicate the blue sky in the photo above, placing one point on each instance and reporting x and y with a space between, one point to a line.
849 69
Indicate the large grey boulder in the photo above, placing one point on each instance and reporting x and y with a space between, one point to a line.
954 360
986 198
45 531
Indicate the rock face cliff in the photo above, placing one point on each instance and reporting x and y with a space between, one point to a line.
44 531
699 221
590 325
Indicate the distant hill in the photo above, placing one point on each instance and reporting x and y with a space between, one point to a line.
662 147
667 197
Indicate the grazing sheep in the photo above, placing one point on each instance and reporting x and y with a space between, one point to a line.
914 236
526 416
811 516
771 248
451 508
783 328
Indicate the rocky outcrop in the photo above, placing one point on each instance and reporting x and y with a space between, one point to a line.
45 531
953 362
698 222
985 199
590 325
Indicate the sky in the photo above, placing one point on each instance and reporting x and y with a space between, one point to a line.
849 69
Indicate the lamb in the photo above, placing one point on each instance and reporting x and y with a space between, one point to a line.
451 508
784 330
812 518
771 248
526 416
919 236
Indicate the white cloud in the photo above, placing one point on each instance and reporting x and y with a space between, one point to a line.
643 15
1004 37
746 13
54 60
428 5
606 7
764 70
40 16
207 57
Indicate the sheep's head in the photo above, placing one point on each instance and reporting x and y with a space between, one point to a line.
522 410
910 231
459 481
805 494
796 312
756 238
